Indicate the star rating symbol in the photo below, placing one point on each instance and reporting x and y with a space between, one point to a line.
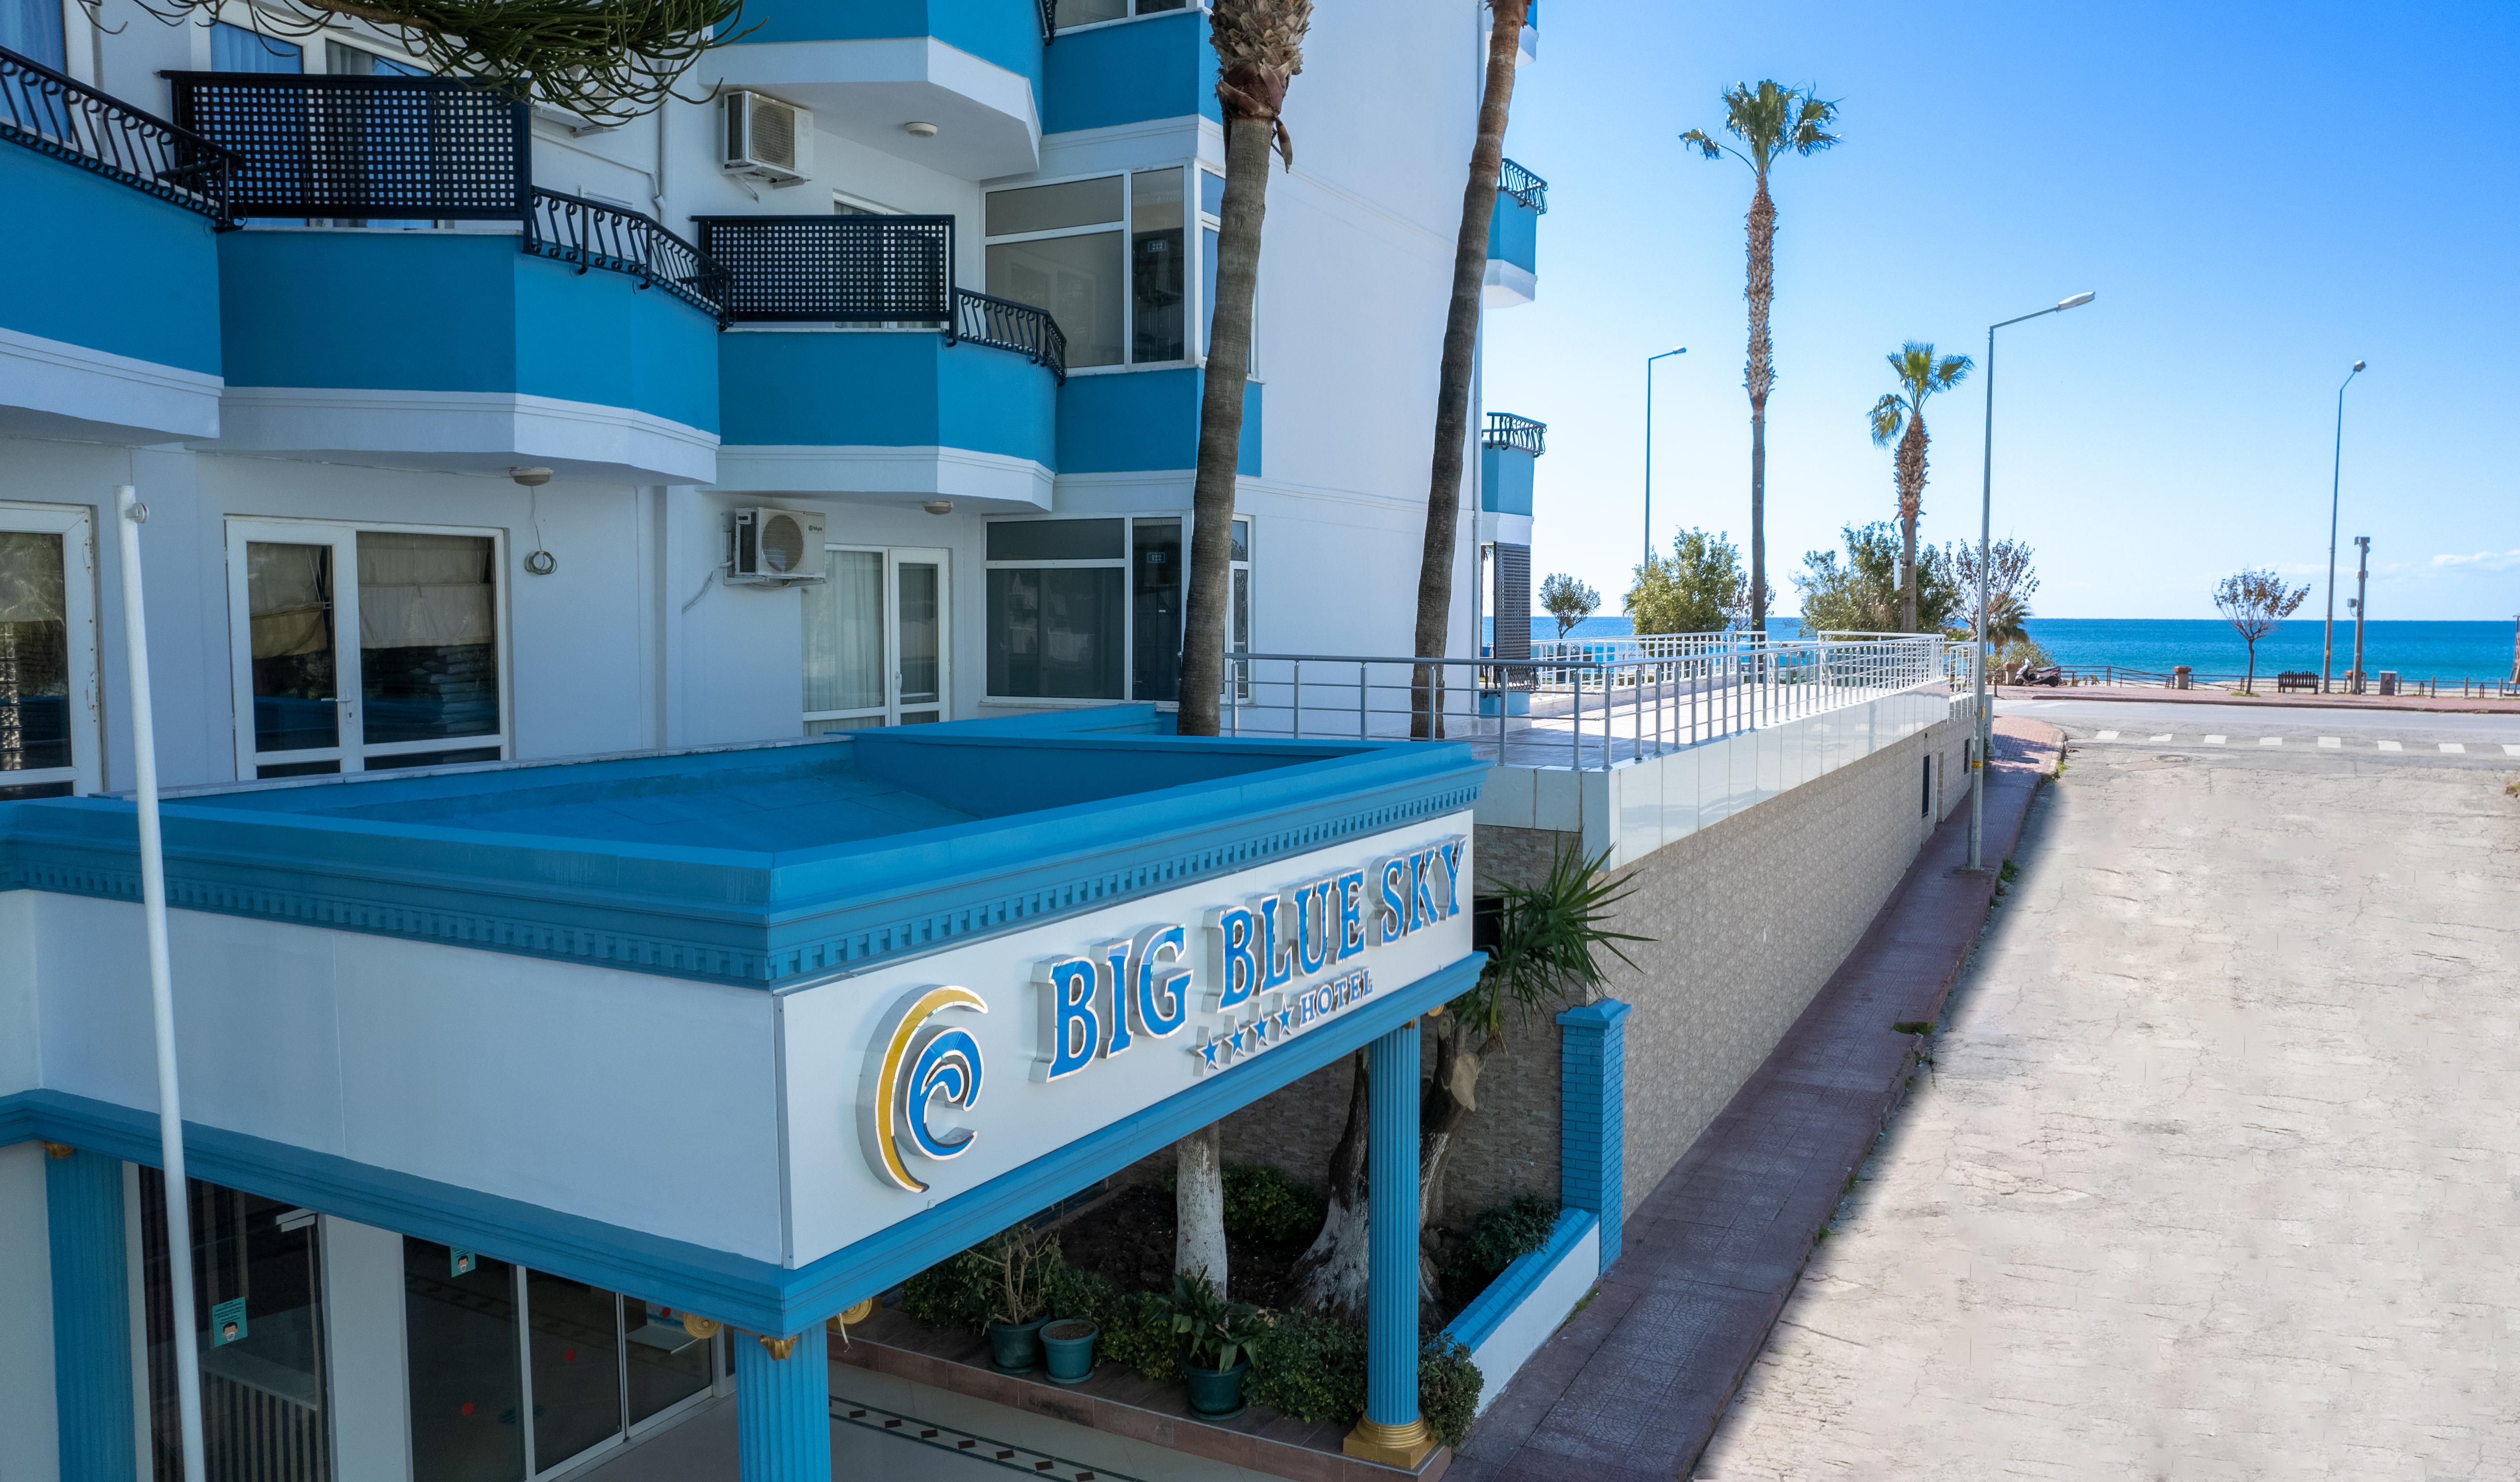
1236 1038
1286 1023
1207 1052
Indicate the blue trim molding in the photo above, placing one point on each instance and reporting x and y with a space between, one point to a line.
1592 1107
758 1296
1477 1322
1059 822
91 1315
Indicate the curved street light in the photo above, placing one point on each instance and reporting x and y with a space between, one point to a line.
1649 364
2335 481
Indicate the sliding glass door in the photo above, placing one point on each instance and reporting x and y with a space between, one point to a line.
49 738
876 650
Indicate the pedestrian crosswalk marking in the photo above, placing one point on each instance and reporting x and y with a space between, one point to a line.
2269 741
2216 741
2453 748
2162 738
2108 735
2508 749
2391 746
2330 742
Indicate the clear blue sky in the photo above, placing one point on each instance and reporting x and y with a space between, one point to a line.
2259 195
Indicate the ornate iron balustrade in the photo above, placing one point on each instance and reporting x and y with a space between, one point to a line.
1524 186
1003 322
423 148
835 269
1049 19
1507 430
57 116
593 235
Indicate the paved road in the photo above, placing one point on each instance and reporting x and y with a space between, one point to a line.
2083 719
2217 1171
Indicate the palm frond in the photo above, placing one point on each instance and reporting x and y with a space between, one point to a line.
1889 416
1703 145
1545 936
1948 372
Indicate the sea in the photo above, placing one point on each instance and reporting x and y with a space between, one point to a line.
2418 651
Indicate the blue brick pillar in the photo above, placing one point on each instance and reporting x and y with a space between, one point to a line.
1392 1431
1592 1115
91 1314
783 1409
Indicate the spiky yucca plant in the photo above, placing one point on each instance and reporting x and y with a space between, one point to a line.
1901 414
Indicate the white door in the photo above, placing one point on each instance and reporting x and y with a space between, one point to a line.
51 744
364 648
877 650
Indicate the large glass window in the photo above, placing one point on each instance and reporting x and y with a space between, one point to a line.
1093 608
1159 294
1155 607
875 639
576 1348
37 749
1090 11
1110 258
33 29
459 1335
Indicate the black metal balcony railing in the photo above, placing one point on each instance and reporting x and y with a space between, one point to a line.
57 115
1003 322
593 235
835 269
409 149
1507 430
1524 186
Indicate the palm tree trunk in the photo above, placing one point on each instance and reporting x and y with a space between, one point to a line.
1220 422
1758 376
1911 503
1198 1205
1453 387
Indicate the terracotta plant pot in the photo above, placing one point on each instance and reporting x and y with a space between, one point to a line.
1016 1347
1067 1346
1216 1393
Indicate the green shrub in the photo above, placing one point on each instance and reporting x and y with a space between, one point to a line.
1078 1293
1270 1205
1498 1238
1309 1368
1138 1335
953 1295
1448 1390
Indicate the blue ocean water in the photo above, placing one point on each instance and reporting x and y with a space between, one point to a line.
2448 651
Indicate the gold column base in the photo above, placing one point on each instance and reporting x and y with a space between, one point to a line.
1406 1447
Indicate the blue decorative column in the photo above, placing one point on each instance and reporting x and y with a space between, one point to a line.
1392 1432
91 1314
783 1406
1592 1115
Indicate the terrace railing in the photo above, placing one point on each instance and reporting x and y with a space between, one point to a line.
1524 186
1566 711
1507 430
55 114
1006 324
592 235
829 269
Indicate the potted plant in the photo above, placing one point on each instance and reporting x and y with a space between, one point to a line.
1022 1259
1067 1349
1216 1336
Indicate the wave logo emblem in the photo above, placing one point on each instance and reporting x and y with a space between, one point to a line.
912 1064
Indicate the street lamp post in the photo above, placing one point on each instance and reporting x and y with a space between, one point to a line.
1650 364
2335 481
1985 542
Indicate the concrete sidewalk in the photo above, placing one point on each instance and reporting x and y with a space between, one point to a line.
2266 697
1632 1386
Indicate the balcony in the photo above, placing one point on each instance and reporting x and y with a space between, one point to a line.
1514 237
972 68
112 333
529 326
857 366
1508 453
1112 66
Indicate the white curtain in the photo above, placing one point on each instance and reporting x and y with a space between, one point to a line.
290 590
845 634
424 591
30 577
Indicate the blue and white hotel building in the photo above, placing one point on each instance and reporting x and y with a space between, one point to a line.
662 634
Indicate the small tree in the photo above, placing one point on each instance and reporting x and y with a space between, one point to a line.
2256 603
1698 589
1567 599
1901 416
1860 594
2009 580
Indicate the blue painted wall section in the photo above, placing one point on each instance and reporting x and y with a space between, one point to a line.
1007 32
1131 72
876 388
1593 1079
1477 1322
109 267
1144 420
91 1315
1505 481
783 1409
479 316
1514 234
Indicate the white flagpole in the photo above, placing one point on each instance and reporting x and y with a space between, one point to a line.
162 991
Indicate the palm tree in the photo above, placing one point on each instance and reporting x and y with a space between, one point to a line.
1460 350
1259 49
1771 122
1920 375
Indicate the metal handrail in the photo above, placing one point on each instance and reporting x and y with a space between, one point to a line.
1049 21
1006 324
592 235
56 115
1508 431
1524 186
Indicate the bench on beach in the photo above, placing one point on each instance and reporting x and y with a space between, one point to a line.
2296 682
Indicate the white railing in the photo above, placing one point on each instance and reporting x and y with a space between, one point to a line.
1567 709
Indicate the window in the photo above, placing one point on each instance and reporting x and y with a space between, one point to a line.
49 746
233 49
1110 258
362 649
33 29
1074 13
876 646
1093 608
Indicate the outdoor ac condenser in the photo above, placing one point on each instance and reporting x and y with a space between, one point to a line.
767 138
777 546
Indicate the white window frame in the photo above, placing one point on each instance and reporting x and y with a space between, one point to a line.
1133 17
352 754
1194 289
894 557
1128 604
75 526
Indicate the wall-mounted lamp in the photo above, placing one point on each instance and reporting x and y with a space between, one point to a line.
938 506
920 131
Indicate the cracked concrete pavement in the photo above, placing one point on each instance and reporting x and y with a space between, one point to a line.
2216 1172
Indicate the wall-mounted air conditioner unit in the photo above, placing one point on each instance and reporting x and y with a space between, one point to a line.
776 546
767 138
